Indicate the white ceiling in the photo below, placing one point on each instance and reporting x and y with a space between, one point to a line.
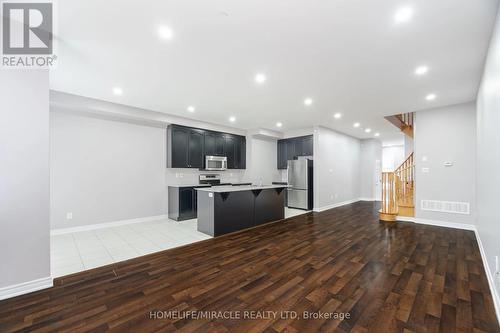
349 56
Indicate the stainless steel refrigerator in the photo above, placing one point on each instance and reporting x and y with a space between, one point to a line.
300 184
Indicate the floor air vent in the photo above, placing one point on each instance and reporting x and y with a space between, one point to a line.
446 206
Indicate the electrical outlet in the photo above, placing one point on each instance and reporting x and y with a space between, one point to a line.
336 196
69 216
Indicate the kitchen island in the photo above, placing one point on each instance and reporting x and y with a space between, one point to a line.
226 209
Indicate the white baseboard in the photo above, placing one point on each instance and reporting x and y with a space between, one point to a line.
368 199
464 226
25 287
436 223
106 225
489 275
321 209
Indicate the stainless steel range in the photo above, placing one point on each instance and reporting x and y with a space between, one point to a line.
212 179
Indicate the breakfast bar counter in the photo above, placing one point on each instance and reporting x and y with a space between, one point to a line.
226 209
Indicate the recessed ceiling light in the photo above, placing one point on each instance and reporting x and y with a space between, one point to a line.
368 130
191 108
337 115
278 124
308 101
403 14
421 70
165 32
232 119
377 134
117 91
356 125
260 78
430 97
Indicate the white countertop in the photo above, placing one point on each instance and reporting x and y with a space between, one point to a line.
220 189
189 185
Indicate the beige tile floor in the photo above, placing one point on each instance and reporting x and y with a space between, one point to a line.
78 251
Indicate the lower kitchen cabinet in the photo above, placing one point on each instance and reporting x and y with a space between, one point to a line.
269 205
182 203
225 212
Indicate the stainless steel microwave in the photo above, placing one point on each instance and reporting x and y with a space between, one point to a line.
215 163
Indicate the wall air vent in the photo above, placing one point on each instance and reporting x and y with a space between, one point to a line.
446 206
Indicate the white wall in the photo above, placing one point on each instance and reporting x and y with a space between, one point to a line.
298 132
24 177
109 161
93 107
392 157
370 169
488 157
261 161
105 171
336 168
408 147
442 135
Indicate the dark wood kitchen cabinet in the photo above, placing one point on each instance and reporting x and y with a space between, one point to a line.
240 154
178 144
235 151
182 203
196 148
187 147
214 144
289 149
307 146
282 154
230 151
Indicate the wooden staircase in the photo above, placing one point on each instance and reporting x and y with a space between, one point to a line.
404 122
397 191
398 186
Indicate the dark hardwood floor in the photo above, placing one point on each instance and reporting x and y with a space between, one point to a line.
385 278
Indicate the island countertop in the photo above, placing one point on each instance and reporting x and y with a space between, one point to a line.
223 189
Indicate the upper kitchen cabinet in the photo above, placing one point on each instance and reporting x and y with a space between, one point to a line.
230 151
214 144
307 146
289 149
196 148
282 154
178 144
241 153
235 151
187 147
